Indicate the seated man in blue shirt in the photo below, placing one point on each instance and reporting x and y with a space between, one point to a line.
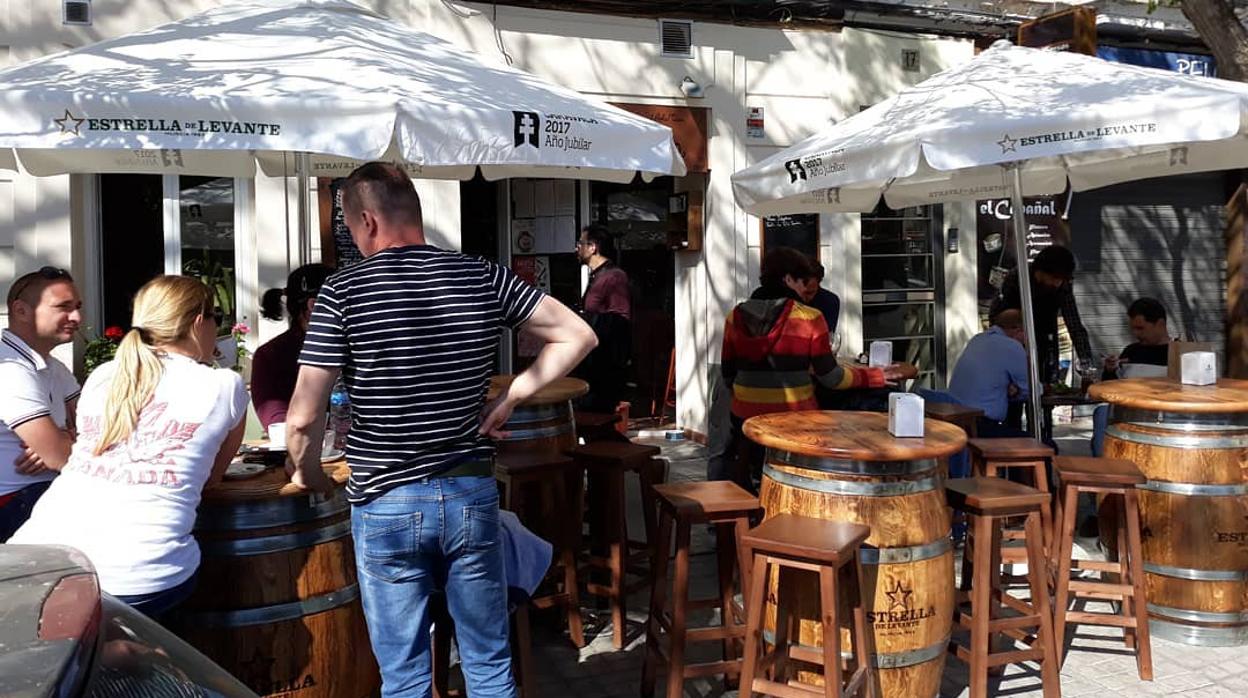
992 372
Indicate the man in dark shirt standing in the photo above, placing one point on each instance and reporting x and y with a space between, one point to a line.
414 330
607 307
1052 292
820 298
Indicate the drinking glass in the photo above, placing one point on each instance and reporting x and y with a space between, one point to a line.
1088 371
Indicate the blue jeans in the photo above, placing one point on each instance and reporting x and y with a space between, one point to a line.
1100 422
15 511
158 603
440 534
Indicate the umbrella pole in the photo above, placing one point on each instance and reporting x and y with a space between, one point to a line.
1024 286
301 182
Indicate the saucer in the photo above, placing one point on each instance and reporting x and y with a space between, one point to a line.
332 455
242 470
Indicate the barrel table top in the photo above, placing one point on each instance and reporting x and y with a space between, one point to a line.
851 436
272 484
559 390
1167 395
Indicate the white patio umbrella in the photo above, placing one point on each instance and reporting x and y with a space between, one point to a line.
1010 122
328 80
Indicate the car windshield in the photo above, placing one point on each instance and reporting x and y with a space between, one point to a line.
138 658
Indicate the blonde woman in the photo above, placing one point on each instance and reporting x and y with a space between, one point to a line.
155 425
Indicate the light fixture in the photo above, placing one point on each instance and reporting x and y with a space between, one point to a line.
690 87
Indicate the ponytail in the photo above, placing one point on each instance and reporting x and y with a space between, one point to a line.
164 313
138 372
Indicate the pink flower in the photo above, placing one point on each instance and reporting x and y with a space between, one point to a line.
240 329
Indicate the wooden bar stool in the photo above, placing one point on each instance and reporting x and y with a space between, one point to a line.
440 651
544 490
988 502
1034 460
1112 478
829 549
606 463
955 414
729 508
598 426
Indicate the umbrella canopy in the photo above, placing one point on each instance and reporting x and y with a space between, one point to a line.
1064 115
212 93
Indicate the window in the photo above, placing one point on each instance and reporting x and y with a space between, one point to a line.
902 287
152 225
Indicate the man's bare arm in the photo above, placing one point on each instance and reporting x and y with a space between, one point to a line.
50 443
305 427
567 341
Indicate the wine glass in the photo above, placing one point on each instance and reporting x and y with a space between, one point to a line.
835 340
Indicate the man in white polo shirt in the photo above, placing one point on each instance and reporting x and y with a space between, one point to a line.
40 393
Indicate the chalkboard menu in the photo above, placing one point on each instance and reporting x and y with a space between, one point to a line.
338 250
801 232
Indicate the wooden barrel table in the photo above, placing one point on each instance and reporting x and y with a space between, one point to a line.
277 601
845 466
1192 444
545 421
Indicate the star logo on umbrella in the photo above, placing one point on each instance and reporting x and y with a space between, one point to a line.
65 123
898 597
1007 144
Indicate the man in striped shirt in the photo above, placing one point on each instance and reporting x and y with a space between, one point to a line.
414 330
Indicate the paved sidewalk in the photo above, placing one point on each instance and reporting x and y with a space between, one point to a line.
1097 664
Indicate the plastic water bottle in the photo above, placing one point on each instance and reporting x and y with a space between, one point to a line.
340 414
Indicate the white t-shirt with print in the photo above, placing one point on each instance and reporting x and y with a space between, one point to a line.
33 388
132 508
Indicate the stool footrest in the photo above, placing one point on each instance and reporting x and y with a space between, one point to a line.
1085 618
1003 624
1015 656
1096 566
714 633
780 690
1080 587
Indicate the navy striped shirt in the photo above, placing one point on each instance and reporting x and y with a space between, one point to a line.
415 331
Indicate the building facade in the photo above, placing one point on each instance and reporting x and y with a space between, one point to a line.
757 89
734 94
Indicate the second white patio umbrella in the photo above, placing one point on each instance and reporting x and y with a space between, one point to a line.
1011 122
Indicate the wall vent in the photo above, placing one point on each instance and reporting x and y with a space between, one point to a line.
676 38
77 12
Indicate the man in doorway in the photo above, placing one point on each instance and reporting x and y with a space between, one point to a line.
607 307
1147 356
37 407
820 298
992 372
414 330
1052 292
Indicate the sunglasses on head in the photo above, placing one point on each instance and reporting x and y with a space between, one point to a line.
45 273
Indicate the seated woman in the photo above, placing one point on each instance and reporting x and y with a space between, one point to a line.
276 364
155 425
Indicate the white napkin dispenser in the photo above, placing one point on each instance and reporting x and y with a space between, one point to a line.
905 415
881 355
1199 368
